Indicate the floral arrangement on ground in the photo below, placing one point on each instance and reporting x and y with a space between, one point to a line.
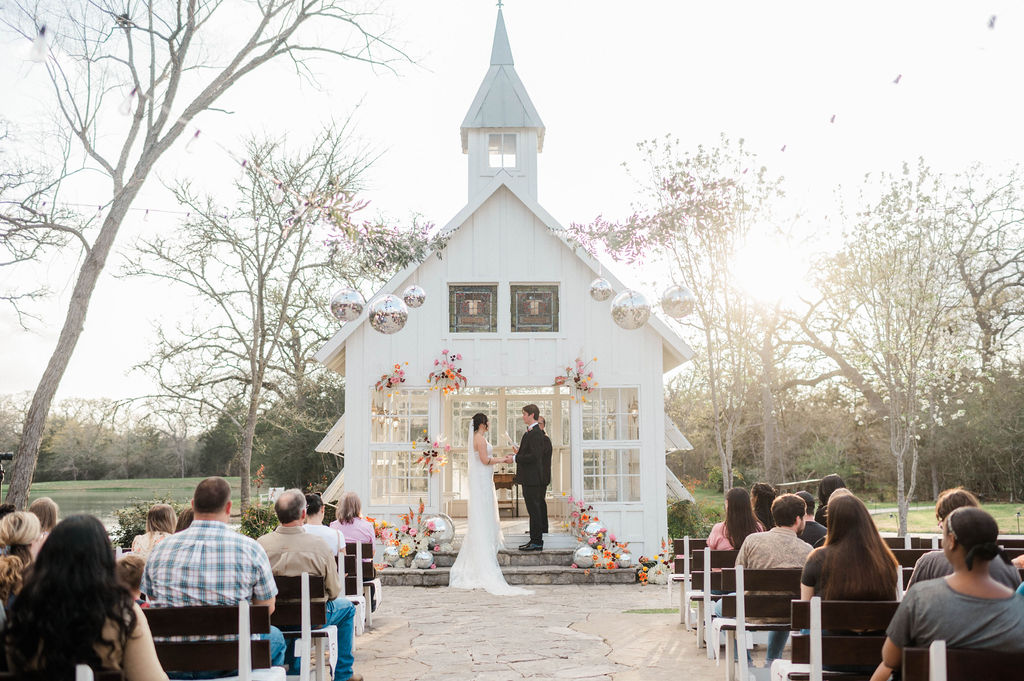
584 525
391 380
410 537
433 453
579 377
447 376
656 570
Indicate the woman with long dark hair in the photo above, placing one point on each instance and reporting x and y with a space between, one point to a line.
967 609
739 522
762 495
854 564
73 610
826 486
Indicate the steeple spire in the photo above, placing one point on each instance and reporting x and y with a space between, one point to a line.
501 51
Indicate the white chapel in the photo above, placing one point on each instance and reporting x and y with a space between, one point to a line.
511 296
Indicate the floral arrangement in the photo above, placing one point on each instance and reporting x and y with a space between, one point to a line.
382 530
579 377
608 548
433 453
655 570
392 380
447 376
410 535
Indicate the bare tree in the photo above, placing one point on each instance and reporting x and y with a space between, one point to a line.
155 57
261 277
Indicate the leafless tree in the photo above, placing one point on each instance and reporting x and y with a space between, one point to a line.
156 58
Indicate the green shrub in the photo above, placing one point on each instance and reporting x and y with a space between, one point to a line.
258 520
689 519
714 480
131 520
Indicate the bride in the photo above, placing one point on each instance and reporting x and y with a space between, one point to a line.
476 566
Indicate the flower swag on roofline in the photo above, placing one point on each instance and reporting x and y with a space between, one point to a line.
447 376
433 453
392 380
580 378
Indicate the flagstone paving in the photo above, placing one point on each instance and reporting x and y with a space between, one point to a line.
582 633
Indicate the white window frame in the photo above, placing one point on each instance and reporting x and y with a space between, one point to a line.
622 477
502 155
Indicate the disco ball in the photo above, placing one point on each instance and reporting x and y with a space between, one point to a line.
414 296
625 560
630 309
584 557
595 529
423 560
388 314
391 555
441 528
601 290
678 302
347 304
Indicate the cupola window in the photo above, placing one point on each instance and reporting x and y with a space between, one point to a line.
501 150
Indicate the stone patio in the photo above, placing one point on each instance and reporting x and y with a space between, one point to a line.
559 632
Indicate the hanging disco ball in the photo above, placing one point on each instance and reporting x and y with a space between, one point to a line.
678 302
414 296
388 314
601 290
583 557
347 304
630 310
441 528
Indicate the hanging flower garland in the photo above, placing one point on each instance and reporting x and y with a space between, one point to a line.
391 380
447 376
579 377
433 453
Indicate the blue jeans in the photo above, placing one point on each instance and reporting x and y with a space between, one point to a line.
277 651
342 614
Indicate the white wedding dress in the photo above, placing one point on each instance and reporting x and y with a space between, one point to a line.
476 566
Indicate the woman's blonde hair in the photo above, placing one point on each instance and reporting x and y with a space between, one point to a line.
46 510
349 507
11 571
17 532
161 518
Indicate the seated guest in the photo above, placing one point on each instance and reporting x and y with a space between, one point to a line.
779 547
315 525
129 572
813 530
826 486
739 522
934 564
854 564
349 523
211 564
184 520
967 609
292 550
762 495
72 610
46 510
11 571
21 536
160 522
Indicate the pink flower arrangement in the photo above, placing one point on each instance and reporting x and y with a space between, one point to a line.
447 375
580 377
433 456
392 380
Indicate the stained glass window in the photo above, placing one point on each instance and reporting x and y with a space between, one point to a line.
473 309
534 308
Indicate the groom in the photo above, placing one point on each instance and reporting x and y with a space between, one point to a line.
530 476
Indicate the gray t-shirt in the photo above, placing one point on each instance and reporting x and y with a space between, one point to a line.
932 611
934 564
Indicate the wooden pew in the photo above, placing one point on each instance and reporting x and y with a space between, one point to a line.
288 616
817 650
682 549
706 562
939 664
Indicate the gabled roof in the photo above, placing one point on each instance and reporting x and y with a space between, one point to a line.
334 349
502 101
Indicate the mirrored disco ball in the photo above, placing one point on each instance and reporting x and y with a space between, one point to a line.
388 314
625 560
584 557
678 302
391 556
414 296
441 527
595 529
347 304
601 289
630 310
423 560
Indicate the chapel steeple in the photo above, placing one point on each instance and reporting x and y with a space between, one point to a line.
502 132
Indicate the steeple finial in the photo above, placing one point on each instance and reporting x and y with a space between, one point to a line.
501 52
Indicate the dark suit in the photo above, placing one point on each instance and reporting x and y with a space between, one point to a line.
530 476
545 457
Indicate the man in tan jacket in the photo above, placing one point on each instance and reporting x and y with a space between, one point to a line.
292 551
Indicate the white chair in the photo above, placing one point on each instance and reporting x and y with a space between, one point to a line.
83 672
357 598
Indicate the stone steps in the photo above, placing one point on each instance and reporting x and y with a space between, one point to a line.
515 558
519 574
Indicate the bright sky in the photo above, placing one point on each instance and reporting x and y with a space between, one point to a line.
603 76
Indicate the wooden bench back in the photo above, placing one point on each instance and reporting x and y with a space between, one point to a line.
207 620
719 559
916 542
965 665
839 649
288 608
784 581
97 675
679 546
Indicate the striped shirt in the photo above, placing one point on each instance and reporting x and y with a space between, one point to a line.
207 564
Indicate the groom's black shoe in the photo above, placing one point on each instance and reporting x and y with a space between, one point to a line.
533 547
523 546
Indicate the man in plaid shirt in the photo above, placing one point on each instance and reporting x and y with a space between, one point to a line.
211 564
